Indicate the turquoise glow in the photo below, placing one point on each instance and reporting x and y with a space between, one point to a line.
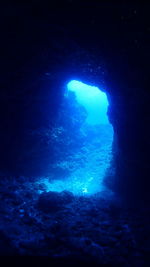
89 164
92 99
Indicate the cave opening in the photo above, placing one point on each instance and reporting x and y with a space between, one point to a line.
83 136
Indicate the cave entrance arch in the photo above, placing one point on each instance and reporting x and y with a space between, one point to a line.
85 138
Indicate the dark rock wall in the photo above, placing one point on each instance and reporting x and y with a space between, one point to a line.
43 47
130 120
129 114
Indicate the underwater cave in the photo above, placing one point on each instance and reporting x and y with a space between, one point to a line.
74 136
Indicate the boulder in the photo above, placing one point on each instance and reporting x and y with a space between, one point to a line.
54 201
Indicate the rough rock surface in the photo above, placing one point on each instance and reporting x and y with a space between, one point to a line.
81 229
53 201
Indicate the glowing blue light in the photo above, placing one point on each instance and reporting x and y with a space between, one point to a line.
78 185
87 178
92 99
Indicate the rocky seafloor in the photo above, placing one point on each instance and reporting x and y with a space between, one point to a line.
83 223
64 227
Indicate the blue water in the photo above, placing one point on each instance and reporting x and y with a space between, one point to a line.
92 99
89 163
